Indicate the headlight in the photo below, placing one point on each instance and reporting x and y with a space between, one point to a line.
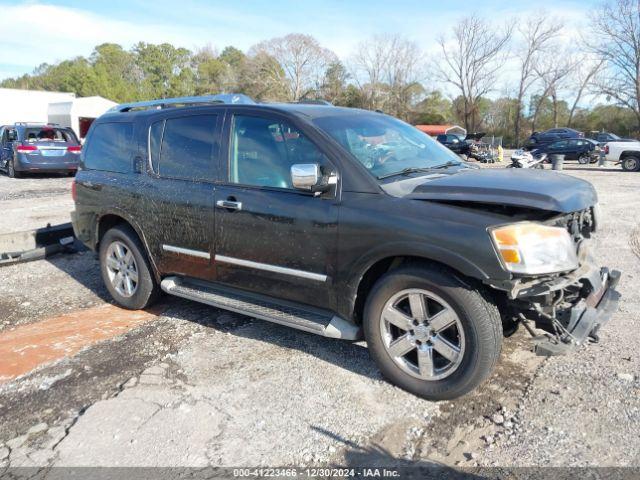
532 248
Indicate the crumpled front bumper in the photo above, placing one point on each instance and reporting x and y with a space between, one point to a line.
533 299
587 316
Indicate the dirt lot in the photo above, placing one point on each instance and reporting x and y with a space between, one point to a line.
190 385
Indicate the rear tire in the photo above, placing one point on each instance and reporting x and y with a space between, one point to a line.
471 343
11 171
631 164
125 269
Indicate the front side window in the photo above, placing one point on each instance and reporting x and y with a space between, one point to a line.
188 147
110 148
263 151
386 145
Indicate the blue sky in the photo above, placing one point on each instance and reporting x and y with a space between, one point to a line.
34 32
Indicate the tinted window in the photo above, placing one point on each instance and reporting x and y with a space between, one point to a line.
49 134
155 138
188 147
110 148
442 138
263 150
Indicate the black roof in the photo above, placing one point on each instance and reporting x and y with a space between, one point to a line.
308 110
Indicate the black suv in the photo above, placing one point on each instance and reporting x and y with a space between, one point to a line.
345 223
542 138
455 143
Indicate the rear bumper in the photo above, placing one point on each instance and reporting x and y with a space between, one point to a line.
50 165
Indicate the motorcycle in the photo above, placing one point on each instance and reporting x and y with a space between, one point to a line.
524 159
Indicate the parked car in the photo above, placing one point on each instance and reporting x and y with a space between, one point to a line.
345 223
38 148
604 137
584 150
455 142
624 153
549 136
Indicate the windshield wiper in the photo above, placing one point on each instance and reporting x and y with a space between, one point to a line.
448 164
405 171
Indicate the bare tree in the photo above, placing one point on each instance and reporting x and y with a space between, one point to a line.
615 38
583 77
389 69
536 34
302 58
470 61
552 72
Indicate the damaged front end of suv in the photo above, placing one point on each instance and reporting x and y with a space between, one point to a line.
561 290
540 225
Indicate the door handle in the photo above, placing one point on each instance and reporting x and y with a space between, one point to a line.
229 204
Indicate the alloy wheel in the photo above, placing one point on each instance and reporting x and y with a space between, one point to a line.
423 334
122 269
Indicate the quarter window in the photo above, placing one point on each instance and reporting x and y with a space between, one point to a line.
263 151
110 148
188 147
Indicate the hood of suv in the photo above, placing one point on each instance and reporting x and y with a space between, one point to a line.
537 189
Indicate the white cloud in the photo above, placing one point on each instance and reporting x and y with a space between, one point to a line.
34 33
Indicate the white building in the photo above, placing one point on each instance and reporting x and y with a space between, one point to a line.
51 107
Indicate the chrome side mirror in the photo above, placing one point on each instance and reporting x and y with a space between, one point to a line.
306 176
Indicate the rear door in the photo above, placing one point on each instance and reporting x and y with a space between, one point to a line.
52 144
271 238
178 203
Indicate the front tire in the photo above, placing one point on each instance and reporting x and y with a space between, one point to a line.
125 269
631 164
583 159
430 333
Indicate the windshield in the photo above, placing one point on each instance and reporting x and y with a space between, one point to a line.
385 145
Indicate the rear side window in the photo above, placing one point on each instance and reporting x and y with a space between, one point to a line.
188 147
110 148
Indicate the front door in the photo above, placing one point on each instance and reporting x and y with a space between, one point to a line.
271 238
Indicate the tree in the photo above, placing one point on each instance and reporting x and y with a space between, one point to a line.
615 38
334 83
583 75
159 64
552 72
470 61
434 109
388 70
302 58
536 35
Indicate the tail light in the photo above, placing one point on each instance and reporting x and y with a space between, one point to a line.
606 149
74 192
75 149
26 148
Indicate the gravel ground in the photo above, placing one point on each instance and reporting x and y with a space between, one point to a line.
34 201
199 386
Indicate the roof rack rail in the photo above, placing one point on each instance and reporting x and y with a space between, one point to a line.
318 101
26 124
224 98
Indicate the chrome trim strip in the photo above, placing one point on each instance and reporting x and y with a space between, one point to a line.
186 251
271 268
